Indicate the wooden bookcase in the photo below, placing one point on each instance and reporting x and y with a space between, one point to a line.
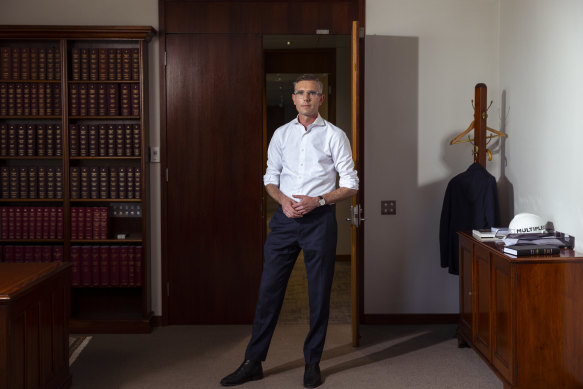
73 164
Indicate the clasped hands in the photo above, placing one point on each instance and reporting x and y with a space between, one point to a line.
294 209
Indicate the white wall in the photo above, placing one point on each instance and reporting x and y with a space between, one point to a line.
109 13
411 161
541 74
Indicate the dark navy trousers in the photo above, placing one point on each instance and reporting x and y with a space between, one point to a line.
316 234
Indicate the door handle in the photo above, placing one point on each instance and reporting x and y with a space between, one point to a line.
356 215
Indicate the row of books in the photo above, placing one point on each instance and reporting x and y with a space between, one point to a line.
30 99
31 222
31 182
105 140
31 253
106 265
105 64
30 140
30 63
104 99
106 182
89 223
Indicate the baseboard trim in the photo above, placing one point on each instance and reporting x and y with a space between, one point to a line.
417 318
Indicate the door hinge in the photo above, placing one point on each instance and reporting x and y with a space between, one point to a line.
361 32
166 173
165 56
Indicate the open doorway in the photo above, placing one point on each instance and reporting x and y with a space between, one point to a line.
328 56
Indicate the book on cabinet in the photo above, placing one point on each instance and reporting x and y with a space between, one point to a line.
73 167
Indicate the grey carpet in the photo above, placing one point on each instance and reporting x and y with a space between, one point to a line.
179 357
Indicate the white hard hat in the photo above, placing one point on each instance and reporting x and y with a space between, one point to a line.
525 223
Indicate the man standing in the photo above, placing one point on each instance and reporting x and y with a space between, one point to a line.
303 161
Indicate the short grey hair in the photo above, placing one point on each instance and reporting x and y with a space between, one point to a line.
310 77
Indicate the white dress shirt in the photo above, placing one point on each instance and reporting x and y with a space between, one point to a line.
305 162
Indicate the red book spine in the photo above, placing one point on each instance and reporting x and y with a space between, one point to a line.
9 254
119 140
102 140
58 254
83 99
5 63
25 223
60 223
74 223
52 222
15 63
11 223
112 100
76 64
18 254
129 140
114 266
135 100
86 266
102 64
81 223
4 222
74 103
38 230
84 67
126 99
75 182
95 266
75 265
3 99
46 222
135 64
138 264
47 254
137 140
123 266
17 223
131 265
28 253
104 254
89 222
93 64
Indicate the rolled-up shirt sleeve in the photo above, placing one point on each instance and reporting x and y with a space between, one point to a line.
274 162
344 164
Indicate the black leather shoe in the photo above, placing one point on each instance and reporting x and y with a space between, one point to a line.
248 371
312 377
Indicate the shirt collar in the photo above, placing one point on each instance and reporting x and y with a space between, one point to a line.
318 122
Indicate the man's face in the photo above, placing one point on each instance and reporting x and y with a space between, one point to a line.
307 98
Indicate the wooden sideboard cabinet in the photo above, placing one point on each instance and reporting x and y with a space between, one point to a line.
34 325
523 316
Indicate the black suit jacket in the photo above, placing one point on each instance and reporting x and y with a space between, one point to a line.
470 202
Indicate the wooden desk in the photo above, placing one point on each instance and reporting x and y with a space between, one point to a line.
523 316
34 318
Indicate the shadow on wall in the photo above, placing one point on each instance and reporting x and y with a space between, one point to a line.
505 187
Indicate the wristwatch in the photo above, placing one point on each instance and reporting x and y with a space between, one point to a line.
322 201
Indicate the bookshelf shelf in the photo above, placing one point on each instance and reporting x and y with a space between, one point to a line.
83 120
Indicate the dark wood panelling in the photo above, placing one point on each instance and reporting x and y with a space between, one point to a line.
215 188
281 17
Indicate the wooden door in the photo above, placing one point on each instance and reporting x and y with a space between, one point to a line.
214 188
357 233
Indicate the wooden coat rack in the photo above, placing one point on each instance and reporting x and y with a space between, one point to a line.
480 128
